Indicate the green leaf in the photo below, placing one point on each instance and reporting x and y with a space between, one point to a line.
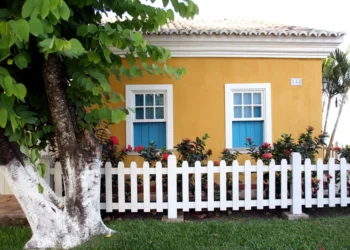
54 16
24 150
22 30
36 27
170 15
94 57
64 11
28 8
3 118
21 91
76 48
183 10
4 53
147 68
165 3
16 136
157 70
95 90
82 30
106 53
22 60
40 188
8 86
14 123
131 59
137 37
45 43
41 170
135 71
118 116
54 4
161 17
44 8
92 28
48 27
8 100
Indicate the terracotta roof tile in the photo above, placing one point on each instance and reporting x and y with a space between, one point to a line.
241 27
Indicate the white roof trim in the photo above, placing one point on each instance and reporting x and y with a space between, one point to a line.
245 46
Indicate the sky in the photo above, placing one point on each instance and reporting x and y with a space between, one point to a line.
331 15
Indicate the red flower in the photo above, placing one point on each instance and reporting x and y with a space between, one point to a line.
266 145
129 147
216 163
336 148
124 149
138 148
267 155
249 139
287 152
165 156
114 140
187 140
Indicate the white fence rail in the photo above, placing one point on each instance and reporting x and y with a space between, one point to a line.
297 195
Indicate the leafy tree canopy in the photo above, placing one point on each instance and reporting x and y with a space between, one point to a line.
31 30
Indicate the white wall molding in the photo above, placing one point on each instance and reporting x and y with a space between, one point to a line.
245 46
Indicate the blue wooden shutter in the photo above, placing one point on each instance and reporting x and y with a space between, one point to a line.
145 132
241 130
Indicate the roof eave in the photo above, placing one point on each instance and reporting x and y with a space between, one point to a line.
246 46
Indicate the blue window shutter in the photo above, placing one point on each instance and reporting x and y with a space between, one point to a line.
241 130
145 132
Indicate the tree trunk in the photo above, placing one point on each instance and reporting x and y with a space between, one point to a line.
51 223
327 114
329 148
59 222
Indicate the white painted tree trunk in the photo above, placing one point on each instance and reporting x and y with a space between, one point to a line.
52 225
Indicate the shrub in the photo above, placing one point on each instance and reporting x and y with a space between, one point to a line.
343 152
307 146
192 151
229 156
111 153
152 154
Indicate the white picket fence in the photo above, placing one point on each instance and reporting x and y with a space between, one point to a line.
298 197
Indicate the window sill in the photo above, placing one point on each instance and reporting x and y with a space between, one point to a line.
241 150
137 154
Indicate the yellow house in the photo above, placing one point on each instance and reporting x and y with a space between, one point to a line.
244 79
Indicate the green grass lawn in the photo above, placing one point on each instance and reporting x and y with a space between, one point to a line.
318 233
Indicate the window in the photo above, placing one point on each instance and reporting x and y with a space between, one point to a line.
153 116
248 114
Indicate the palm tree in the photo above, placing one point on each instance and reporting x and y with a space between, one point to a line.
336 82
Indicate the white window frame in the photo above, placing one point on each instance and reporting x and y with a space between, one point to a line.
265 88
167 90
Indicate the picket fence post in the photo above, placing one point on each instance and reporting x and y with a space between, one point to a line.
296 209
172 187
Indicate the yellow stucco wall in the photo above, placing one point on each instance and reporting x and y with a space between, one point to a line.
199 97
